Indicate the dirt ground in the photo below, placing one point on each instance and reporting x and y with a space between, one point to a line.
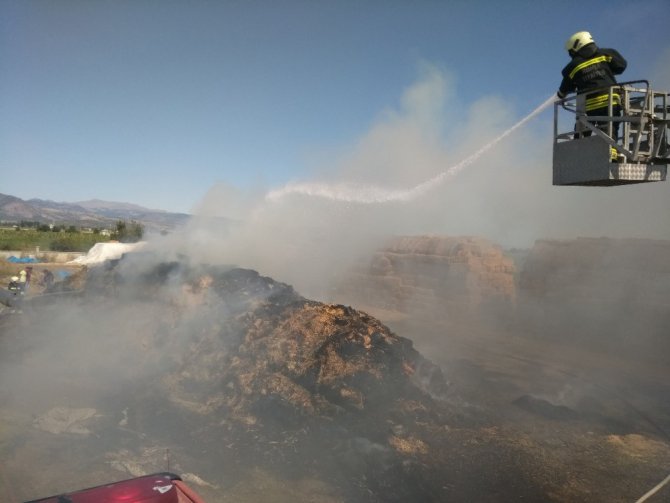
597 423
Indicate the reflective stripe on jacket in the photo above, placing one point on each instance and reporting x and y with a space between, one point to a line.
592 68
594 102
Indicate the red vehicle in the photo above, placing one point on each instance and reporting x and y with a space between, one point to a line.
162 487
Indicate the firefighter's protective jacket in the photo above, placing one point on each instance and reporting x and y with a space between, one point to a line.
591 68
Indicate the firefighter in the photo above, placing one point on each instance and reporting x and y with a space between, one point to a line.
23 277
593 67
14 285
47 279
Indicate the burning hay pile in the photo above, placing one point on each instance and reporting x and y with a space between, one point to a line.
433 277
233 372
300 386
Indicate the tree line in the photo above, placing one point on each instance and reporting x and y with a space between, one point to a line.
23 237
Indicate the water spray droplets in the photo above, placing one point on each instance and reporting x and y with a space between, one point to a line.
370 194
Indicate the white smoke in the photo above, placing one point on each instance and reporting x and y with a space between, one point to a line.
374 195
422 168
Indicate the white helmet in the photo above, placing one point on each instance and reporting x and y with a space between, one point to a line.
579 40
15 278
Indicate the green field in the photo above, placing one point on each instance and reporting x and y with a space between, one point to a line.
27 240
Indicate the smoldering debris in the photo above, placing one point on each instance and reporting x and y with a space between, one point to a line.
231 370
247 386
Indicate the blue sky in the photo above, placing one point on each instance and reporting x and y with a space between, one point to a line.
156 102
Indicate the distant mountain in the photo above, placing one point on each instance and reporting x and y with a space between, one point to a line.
93 213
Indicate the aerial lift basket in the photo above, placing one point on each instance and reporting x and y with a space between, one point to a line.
591 153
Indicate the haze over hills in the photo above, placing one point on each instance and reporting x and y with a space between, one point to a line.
95 213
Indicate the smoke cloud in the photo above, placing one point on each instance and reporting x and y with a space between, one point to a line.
415 165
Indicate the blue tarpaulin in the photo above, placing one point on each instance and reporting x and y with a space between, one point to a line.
22 260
